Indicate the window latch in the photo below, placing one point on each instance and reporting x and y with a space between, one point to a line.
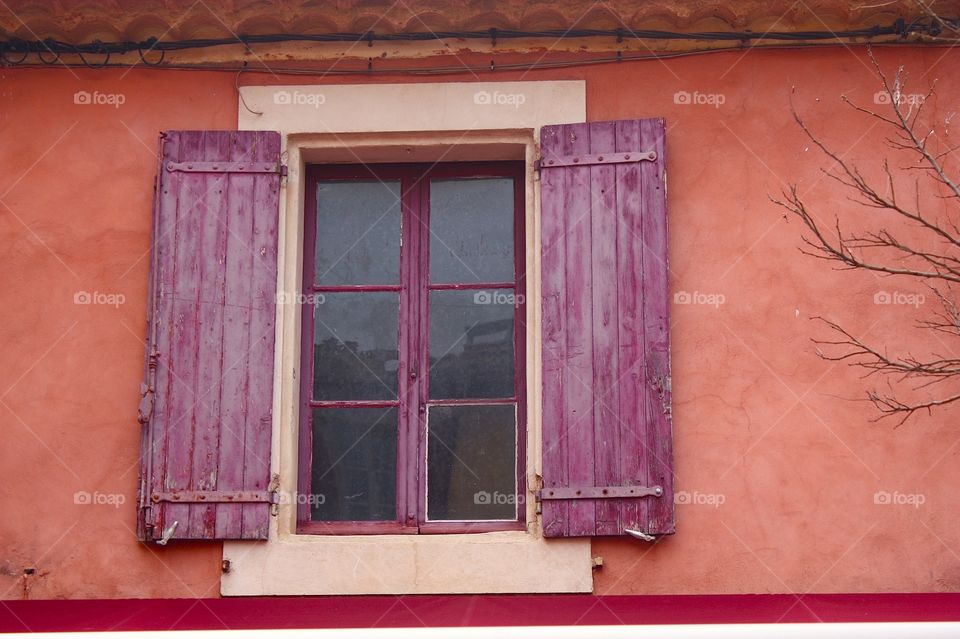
168 533
639 534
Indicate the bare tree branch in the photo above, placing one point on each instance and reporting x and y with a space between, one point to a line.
902 240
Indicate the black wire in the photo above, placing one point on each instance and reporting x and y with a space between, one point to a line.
899 28
143 59
475 69
7 60
105 62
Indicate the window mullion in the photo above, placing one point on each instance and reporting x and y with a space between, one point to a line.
411 359
423 324
403 385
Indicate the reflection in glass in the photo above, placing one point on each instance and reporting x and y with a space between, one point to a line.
355 346
471 344
354 472
358 233
471 230
471 462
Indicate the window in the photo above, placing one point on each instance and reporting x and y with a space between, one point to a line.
412 392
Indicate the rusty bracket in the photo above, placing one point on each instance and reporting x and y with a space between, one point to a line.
227 167
145 409
216 496
598 158
600 492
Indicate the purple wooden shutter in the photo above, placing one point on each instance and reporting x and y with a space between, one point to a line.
208 396
607 452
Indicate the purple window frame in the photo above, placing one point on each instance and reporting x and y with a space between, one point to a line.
414 321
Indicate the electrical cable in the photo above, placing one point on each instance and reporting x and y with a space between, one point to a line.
368 70
900 28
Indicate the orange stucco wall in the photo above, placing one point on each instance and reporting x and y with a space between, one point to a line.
780 465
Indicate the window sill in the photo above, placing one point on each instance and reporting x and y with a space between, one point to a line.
495 562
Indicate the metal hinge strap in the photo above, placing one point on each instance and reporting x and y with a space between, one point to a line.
227 167
598 158
601 492
216 496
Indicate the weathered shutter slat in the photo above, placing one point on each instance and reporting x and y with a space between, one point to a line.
656 331
214 271
236 346
630 336
263 289
606 446
578 365
606 418
554 300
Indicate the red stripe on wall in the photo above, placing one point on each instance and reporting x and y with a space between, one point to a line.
464 610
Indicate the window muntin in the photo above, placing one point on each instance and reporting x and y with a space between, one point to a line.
423 372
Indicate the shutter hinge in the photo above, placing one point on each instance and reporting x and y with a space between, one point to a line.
215 496
600 492
595 158
227 167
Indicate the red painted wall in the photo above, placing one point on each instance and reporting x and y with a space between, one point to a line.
779 466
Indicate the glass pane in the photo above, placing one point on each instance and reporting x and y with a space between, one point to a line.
358 233
355 346
471 230
471 462
471 344
354 464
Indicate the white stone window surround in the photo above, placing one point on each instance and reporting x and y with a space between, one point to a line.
416 122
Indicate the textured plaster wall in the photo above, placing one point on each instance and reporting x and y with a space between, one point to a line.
780 465
76 188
